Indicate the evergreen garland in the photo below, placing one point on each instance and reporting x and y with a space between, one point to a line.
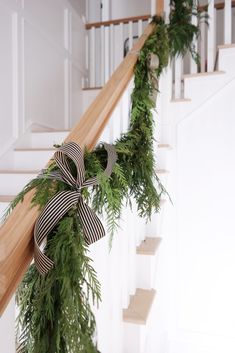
55 313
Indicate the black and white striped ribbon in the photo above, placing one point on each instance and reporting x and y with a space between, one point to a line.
62 202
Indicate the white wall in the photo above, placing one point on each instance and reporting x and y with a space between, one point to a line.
197 264
113 9
41 65
122 8
79 6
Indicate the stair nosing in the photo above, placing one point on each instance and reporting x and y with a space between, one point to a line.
164 146
19 171
162 171
26 149
226 46
6 198
181 100
140 306
48 131
203 74
149 246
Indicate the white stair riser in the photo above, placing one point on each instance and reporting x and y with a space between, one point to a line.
7 328
146 269
226 60
3 208
206 85
47 139
154 228
134 338
31 160
12 184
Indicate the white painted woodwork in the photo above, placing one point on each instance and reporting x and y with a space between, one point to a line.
41 66
105 49
203 46
227 22
193 64
92 57
178 77
196 264
123 8
130 34
211 37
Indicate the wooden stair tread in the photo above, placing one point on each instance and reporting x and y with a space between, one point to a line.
139 307
148 246
226 46
33 149
6 198
50 131
18 171
91 88
202 74
162 171
181 100
164 146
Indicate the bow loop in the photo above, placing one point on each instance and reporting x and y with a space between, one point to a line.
63 201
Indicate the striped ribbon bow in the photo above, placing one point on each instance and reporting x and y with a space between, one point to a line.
62 202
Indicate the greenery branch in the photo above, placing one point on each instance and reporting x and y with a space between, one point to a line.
55 314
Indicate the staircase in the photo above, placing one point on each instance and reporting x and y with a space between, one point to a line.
132 317
128 291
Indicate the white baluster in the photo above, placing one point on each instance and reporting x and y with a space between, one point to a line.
193 64
121 33
130 34
203 26
228 22
178 77
87 83
102 60
106 54
111 52
211 37
92 58
140 27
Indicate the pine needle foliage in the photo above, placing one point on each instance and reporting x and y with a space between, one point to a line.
55 313
181 31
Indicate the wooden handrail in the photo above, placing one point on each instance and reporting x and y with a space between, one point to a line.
217 6
117 21
16 234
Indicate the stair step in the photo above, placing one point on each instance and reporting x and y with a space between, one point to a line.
91 88
164 146
139 307
33 149
226 46
181 100
48 131
162 171
32 159
18 171
6 198
149 246
202 74
13 181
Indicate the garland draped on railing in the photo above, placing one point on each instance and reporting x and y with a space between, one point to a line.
54 309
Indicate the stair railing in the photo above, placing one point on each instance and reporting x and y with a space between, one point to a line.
16 234
218 31
105 46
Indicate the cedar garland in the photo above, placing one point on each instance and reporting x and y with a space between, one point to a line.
55 314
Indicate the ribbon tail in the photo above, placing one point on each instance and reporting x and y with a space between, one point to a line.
91 224
54 210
